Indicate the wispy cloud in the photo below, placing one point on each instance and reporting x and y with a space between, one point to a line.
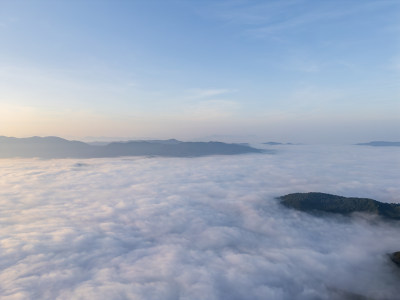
395 63
209 104
7 22
206 93
212 109
262 19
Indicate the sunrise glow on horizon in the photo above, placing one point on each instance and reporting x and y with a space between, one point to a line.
300 71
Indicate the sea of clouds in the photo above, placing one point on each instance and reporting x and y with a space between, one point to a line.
197 228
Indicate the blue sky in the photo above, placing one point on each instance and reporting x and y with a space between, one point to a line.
300 71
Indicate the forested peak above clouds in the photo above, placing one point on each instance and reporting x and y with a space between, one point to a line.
321 202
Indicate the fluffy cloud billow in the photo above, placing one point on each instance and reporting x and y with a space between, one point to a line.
196 228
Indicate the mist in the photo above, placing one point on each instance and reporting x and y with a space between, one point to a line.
197 228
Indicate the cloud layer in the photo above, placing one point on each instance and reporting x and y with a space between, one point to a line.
196 228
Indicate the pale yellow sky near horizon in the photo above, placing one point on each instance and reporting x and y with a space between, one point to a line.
24 121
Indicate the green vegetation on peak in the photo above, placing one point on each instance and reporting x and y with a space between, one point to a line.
395 257
321 202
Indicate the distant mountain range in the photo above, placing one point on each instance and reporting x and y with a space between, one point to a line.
55 147
276 143
380 144
320 202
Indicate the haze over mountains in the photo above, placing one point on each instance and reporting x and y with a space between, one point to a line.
277 143
55 147
380 144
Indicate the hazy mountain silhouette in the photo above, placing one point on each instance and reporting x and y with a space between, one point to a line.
381 144
55 147
103 143
320 202
277 143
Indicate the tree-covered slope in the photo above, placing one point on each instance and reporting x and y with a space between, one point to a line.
320 202
396 258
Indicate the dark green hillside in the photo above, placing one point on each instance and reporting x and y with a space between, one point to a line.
320 202
396 258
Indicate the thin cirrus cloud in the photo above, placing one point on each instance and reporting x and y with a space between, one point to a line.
205 93
210 104
212 109
263 19
204 228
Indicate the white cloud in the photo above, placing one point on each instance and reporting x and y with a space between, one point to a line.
203 228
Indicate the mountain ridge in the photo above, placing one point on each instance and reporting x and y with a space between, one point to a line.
380 144
56 147
321 202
